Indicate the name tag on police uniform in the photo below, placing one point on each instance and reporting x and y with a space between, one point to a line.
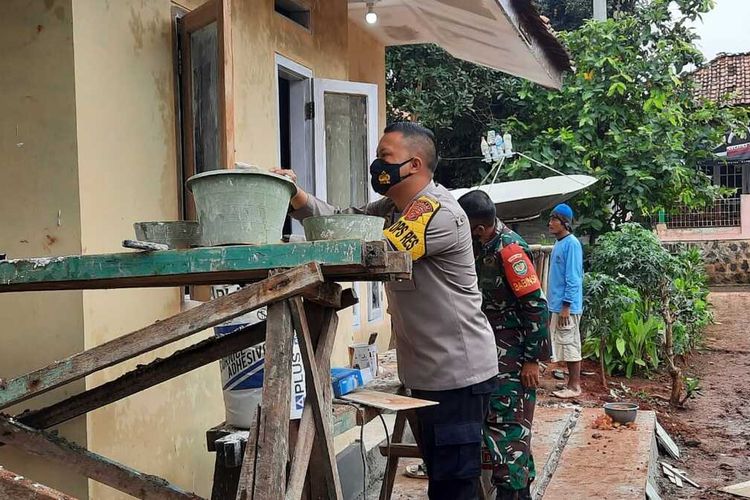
408 233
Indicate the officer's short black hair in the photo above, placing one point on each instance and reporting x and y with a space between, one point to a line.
420 138
478 207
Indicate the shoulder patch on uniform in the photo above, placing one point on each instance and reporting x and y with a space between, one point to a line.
408 233
519 270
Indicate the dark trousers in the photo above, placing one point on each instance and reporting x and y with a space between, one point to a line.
450 439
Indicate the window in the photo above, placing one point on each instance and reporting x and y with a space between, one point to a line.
297 11
346 126
356 308
205 80
730 176
731 70
375 301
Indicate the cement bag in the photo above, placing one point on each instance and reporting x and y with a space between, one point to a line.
242 372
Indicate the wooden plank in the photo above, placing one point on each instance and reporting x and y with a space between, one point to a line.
211 265
678 473
15 486
206 315
327 326
666 442
322 419
226 84
246 484
739 489
146 376
327 294
391 465
273 445
386 401
651 493
401 450
77 459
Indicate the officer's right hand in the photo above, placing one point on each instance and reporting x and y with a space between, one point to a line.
300 198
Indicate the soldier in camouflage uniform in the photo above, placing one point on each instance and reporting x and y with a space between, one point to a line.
517 310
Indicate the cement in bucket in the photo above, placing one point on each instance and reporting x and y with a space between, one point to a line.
240 206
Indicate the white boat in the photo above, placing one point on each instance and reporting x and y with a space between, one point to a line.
529 198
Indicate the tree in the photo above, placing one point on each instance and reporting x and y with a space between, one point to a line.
458 100
626 116
634 257
571 14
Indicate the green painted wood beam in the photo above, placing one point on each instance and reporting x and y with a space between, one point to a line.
196 266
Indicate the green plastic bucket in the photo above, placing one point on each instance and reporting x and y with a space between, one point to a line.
344 227
241 206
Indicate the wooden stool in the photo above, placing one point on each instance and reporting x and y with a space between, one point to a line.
398 450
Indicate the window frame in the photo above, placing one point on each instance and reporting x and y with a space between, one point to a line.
322 86
218 11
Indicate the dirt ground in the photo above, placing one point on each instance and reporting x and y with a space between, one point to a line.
713 430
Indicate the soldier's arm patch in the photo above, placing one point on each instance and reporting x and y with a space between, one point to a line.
409 233
519 271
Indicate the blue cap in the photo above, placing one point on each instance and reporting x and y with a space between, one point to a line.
564 212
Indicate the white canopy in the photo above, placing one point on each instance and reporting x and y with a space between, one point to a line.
507 35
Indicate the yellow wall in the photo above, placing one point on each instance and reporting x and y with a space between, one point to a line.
39 182
258 33
128 172
332 48
90 134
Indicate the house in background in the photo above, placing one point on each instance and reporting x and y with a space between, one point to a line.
108 106
722 230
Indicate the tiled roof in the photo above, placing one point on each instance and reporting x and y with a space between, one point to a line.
725 74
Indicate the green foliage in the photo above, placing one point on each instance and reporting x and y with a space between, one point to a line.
626 116
634 256
571 14
615 328
623 297
458 100
690 301
692 388
605 300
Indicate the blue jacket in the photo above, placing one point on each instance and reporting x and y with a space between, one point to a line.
566 276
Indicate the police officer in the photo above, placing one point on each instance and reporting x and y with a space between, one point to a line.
444 342
517 310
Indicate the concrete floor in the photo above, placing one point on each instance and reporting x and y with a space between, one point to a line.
572 463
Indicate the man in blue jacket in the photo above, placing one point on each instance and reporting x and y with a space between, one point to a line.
565 298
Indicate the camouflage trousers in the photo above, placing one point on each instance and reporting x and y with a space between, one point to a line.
507 433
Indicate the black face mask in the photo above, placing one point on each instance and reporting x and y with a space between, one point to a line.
384 176
476 244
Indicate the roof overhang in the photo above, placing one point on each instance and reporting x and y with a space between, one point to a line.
506 35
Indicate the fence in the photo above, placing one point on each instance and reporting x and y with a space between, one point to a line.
540 255
724 212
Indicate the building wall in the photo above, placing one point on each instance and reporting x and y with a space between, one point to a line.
332 48
726 250
39 206
124 86
88 138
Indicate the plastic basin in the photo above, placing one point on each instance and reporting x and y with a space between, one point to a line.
344 227
621 412
241 206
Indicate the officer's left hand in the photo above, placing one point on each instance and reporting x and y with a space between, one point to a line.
530 375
